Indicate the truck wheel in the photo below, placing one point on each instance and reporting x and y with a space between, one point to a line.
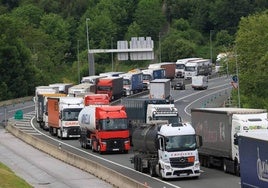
135 163
152 170
237 168
92 147
225 165
160 173
140 166
99 149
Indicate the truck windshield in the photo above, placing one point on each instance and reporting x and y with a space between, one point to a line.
126 82
180 66
180 143
70 114
189 68
104 88
174 120
147 77
113 124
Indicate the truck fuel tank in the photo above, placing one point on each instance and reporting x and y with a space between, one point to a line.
144 137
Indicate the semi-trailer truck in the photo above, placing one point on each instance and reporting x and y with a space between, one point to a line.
180 66
219 128
63 116
166 150
132 83
39 102
142 110
198 67
104 128
113 86
151 74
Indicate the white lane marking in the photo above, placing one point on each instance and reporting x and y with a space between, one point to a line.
186 107
63 143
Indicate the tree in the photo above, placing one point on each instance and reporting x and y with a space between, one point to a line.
149 17
251 44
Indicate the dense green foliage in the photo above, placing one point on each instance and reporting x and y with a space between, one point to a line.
42 40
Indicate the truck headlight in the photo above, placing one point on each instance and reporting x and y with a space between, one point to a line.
167 167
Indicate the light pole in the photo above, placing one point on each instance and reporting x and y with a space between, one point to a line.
238 84
87 19
210 42
112 54
78 62
160 48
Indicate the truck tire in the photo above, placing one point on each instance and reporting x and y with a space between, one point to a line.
135 163
237 168
152 170
140 169
224 166
160 173
92 146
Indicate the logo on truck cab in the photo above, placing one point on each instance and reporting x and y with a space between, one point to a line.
85 118
262 168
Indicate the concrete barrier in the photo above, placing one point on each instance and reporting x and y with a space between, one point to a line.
112 177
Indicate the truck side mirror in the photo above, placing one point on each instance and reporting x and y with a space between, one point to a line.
199 141
236 139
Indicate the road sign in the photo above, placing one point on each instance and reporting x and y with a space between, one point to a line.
122 45
141 43
235 79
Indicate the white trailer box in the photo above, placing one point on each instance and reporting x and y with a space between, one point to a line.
160 89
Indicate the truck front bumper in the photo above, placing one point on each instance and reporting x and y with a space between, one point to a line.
169 172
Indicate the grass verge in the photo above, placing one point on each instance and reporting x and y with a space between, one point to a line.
8 179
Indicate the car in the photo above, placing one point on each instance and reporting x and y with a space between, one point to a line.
178 84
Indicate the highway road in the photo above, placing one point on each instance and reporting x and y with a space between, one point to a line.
218 91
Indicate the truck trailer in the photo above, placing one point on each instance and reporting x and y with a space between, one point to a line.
39 102
104 128
219 127
151 74
170 68
42 98
143 110
63 116
132 83
81 89
96 99
253 154
113 86
166 151
160 89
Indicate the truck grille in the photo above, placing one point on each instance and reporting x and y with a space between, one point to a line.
180 162
115 144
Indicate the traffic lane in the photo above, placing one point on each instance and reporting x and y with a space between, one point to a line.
205 98
113 161
211 178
